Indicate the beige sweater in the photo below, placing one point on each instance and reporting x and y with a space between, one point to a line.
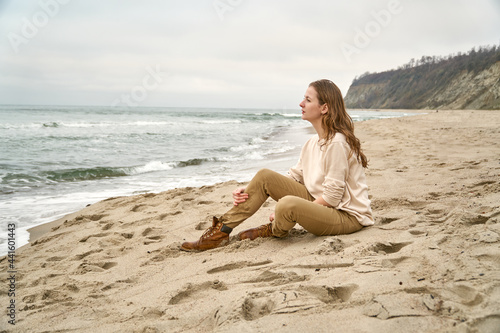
326 171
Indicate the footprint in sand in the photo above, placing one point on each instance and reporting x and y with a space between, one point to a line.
335 294
107 225
277 279
115 238
379 204
487 324
86 238
149 313
394 306
98 267
237 265
201 226
56 258
85 254
487 237
472 218
84 219
259 304
438 213
48 238
463 294
138 208
387 220
393 262
46 297
204 202
417 232
387 247
489 258
171 251
165 215
118 284
190 290
152 235
330 246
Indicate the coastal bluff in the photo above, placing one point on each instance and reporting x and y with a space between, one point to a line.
464 81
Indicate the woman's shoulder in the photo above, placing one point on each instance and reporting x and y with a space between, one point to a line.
312 140
316 141
339 141
339 137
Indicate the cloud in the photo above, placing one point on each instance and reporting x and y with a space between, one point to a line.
262 54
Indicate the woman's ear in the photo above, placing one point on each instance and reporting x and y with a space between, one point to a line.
324 109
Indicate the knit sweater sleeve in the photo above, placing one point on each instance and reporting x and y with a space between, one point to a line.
336 169
297 172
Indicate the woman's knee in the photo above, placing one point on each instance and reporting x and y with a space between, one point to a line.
285 215
266 176
287 205
264 173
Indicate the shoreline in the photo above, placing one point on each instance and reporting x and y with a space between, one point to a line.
39 230
401 110
31 233
429 264
52 206
84 160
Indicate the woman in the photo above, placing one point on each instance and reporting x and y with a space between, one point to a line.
325 193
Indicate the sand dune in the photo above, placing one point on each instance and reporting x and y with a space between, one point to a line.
430 264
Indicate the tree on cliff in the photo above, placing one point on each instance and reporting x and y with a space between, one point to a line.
413 85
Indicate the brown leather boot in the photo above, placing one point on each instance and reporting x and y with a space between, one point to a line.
264 230
212 237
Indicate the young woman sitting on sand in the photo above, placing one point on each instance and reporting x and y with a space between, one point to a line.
325 193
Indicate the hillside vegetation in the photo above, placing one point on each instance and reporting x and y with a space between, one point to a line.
468 80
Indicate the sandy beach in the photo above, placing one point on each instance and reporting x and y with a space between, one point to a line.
431 263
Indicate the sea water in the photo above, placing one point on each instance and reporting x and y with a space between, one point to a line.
55 160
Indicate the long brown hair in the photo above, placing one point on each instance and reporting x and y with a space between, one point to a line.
337 120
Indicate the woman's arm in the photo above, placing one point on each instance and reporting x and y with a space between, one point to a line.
296 172
337 165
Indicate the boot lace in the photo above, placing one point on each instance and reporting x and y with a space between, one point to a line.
209 232
266 230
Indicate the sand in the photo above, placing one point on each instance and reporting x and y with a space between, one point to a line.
431 263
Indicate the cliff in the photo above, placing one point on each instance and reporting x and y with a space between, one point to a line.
463 81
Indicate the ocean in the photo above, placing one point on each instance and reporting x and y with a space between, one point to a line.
56 160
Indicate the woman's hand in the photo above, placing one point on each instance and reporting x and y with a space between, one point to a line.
322 202
239 196
271 217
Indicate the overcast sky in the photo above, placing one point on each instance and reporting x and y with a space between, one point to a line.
220 53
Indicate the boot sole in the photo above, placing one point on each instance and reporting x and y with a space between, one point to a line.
223 243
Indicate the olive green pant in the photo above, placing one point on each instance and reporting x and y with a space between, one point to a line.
294 205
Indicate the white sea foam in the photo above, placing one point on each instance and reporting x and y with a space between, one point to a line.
245 148
221 122
114 124
254 156
151 167
62 124
280 149
258 140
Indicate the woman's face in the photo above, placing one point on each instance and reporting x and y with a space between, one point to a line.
311 109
